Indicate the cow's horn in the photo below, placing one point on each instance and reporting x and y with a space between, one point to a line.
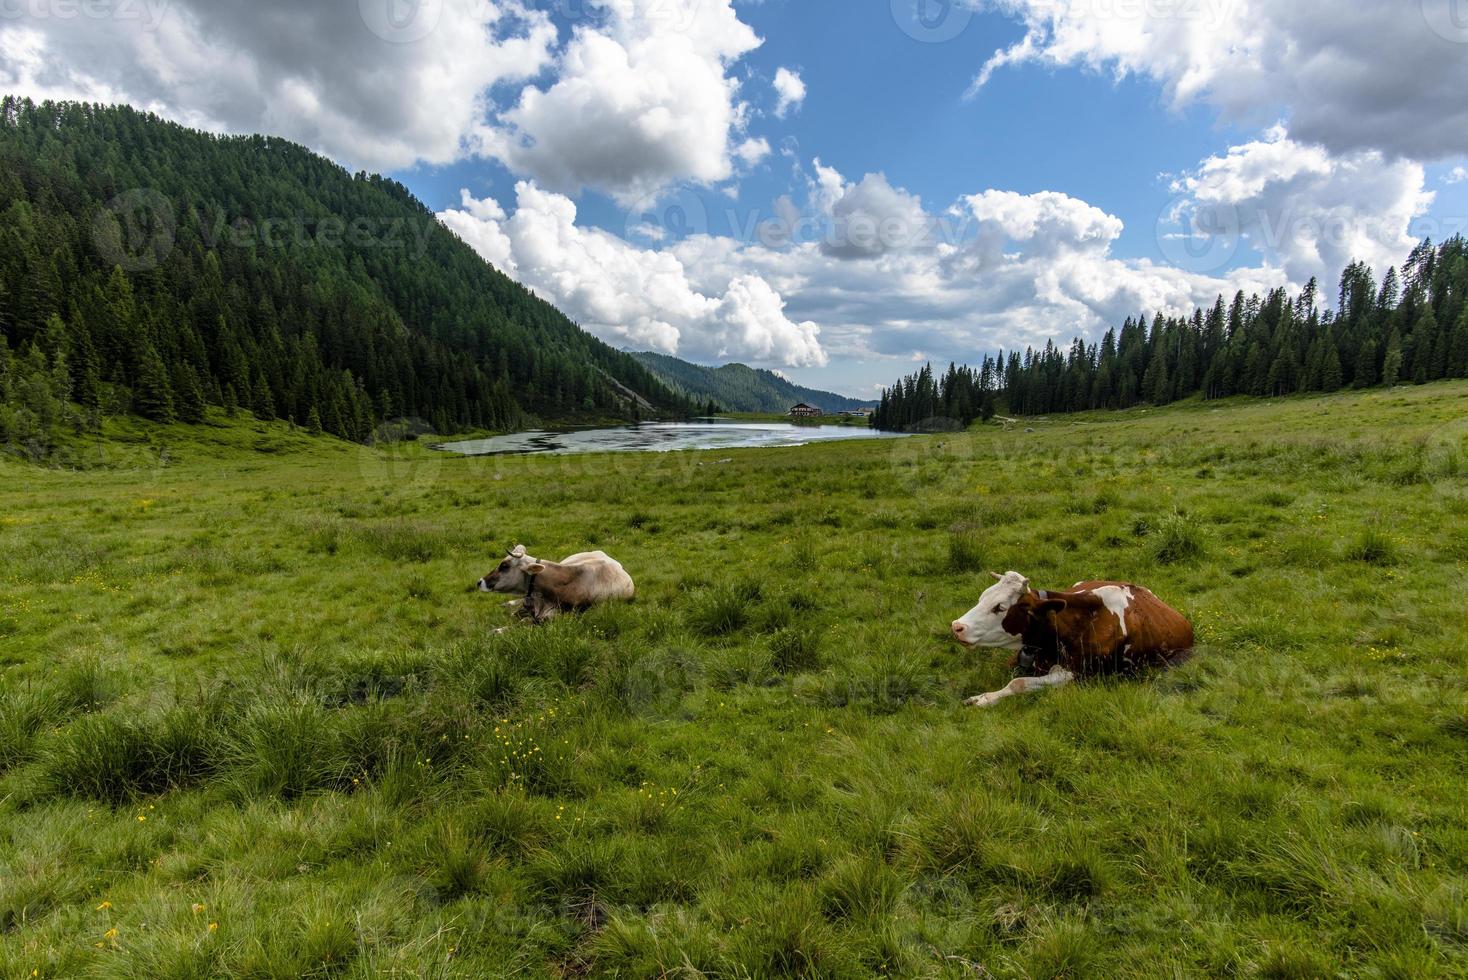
997 575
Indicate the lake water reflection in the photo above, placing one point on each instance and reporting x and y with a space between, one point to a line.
661 437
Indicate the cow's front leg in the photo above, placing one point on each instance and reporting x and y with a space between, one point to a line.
1058 677
543 612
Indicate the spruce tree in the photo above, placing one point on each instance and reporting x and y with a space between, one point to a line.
188 394
313 422
1365 373
153 394
262 402
1332 378
6 369
1458 348
1424 340
1256 370
1391 369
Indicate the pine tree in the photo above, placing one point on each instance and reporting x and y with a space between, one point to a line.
1458 348
262 402
1391 370
313 422
1332 378
1424 340
1256 370
6 369
1365 373
188 394
1155 388
86 371
153 395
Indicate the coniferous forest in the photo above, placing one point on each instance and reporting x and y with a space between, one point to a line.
1410 328
150 269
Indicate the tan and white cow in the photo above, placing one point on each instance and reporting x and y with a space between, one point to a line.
550 588
1095 629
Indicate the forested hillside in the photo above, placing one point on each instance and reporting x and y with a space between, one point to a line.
738 388
1410 328
148 268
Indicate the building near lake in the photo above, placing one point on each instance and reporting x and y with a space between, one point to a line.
804 411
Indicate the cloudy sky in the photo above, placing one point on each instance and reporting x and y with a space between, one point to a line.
837 189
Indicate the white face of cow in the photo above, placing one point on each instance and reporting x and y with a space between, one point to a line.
983 625
512 575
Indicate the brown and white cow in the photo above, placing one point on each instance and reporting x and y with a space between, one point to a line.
550 588
1095 629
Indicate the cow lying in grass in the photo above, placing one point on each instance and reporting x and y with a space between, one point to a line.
1095 629
550 588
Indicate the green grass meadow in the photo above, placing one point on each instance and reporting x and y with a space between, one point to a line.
252 723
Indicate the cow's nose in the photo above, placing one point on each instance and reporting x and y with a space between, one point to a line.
959 629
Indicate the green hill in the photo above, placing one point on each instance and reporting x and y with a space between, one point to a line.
738 388
151 269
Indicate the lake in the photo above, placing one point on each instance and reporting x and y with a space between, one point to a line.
663 437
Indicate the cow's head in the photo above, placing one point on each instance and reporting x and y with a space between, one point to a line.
1004 613
512 575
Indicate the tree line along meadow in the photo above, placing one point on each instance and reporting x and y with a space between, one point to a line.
1413 328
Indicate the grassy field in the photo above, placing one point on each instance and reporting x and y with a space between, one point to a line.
252 723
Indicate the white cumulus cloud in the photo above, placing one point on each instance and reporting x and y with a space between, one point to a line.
631 296
638 103
789 91
1305 209
638 97
1387 75
361 88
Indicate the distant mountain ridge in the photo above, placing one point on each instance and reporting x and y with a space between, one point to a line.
740 388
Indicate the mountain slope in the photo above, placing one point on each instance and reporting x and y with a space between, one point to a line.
737 388
149 268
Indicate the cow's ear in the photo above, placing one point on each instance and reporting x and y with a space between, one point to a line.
535 569
1049 606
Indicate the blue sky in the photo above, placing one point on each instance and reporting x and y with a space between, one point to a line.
946 178
881 101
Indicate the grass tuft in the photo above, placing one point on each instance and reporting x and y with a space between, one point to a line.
795 650
1372 547
722 610
1178 538
965 551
